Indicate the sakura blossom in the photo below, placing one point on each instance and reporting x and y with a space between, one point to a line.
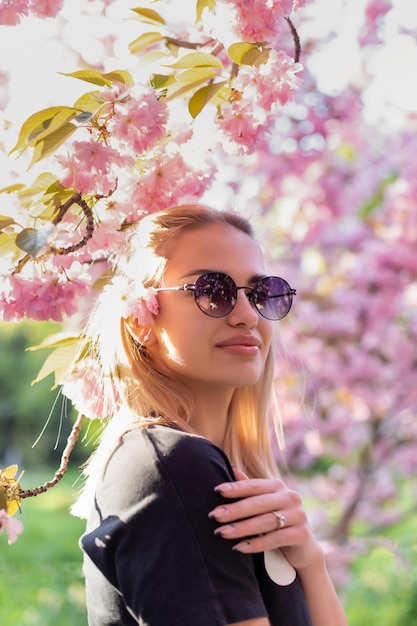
10 525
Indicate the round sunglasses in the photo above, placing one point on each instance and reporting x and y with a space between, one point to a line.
215 294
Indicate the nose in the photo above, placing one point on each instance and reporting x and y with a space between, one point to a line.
244 312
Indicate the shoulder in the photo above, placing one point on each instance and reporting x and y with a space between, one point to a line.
139 446
158 459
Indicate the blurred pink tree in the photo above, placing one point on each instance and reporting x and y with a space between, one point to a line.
219 106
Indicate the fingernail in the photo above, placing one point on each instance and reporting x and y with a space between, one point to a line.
242 546
224 530
223 487
218 512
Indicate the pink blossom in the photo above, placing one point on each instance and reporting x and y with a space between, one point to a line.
241 127
46 298
259 20
84 387
271 84
91 168
167 182
375 10
129 298
12 11
139 123
11 525
46 8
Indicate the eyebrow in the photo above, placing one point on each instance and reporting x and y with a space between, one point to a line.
199 272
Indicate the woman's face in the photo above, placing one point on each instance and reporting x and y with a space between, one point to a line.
209 353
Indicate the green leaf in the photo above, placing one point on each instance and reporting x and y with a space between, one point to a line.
149 16
40 185
8 244
161 81
147 40
42 123
201 97
248 54
89 103
57 340
379 197
48 145
32 241
197 59
189 80
6 221
120 76
90 76
12 188
3 500
203 4
58 363
103 80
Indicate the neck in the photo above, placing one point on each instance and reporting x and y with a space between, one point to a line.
211 414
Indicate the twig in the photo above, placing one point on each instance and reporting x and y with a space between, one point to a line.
71 441
296 38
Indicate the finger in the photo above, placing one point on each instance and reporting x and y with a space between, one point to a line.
260 525
239 475
248 507
244 487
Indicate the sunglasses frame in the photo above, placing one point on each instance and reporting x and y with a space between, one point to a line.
194 288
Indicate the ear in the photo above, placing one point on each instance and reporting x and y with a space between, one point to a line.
142 333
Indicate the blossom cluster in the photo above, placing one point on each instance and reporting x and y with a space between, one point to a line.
12 11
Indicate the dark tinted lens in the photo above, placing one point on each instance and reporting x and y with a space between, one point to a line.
215 294
272 297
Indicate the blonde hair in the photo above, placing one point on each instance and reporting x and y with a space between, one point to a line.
137 391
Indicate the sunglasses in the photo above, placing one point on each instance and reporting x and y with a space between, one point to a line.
215 294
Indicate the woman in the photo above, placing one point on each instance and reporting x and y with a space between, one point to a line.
177 532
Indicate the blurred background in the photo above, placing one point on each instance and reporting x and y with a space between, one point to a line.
333 193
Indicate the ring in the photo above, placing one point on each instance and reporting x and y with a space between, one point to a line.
280 519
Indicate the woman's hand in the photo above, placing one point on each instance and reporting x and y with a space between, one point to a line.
267 515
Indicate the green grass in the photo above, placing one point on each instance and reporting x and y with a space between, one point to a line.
383 590
41 580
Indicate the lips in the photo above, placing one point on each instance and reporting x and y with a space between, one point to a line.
240 340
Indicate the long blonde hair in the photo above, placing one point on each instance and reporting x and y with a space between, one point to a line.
140 393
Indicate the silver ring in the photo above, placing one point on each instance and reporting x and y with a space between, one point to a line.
280 519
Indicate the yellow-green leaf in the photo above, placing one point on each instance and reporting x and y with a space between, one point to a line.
120 76
57 340
40 123
58 363
13 505
149 16
203 4
189 80
202 96
161 81
8 244
9 472
89 102
197 59
90 76
39 185
6 221
145 41
3 500
243 53
48 145
12 188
